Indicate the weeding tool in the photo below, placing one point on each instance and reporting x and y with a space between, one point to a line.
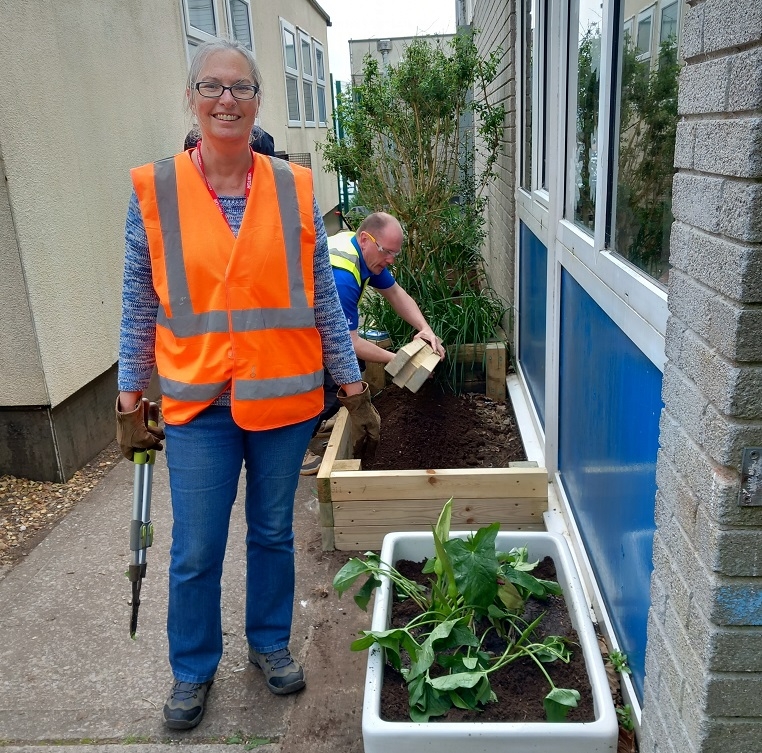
141 527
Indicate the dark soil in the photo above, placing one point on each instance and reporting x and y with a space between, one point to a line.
520 687
434 429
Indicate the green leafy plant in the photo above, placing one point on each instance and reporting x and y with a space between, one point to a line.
474 591
619 662
420 139
624 715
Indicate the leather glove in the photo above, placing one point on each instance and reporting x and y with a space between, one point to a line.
133 432
366 423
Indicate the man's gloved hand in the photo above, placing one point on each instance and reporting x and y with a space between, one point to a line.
366 423
133 432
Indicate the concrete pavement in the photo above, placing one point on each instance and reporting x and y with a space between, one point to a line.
70 675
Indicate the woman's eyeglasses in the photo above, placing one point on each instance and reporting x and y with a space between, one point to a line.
238 91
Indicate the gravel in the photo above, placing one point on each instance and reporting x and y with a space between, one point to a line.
29 510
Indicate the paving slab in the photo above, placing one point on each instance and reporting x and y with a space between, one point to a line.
71 675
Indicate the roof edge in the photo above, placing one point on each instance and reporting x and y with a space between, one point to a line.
320 10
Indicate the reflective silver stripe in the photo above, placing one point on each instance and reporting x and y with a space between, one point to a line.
291 221
246 320
187 325
344 255
265 389
193 393
165 182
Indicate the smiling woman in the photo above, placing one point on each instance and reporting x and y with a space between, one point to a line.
226 265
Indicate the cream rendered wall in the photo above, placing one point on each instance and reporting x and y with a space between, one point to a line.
99 89
273 115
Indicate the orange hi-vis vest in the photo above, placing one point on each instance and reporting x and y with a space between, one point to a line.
234 312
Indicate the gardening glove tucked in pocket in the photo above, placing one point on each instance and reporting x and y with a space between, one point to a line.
366 423
133 432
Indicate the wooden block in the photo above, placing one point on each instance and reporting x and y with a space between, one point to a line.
420 361
486 483
466 513
496 371
336 450
422 373
404 354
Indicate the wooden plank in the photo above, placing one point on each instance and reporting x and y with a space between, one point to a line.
350 464
468 483
496 371
404 354
411 368
465 512
467 353
370 538
336 450
423 372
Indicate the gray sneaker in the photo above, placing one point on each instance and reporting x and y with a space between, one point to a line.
185 705
283 673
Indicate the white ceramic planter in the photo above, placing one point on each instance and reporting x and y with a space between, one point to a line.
599 736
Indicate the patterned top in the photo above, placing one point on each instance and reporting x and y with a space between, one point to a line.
140 304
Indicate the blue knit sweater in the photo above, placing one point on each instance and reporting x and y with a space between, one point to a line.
140 304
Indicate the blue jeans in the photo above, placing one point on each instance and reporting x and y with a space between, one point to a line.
205 457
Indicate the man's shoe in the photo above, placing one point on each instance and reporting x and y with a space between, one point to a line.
283 673
186 703
310 464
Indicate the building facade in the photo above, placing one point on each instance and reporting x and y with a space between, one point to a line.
625 230
113 78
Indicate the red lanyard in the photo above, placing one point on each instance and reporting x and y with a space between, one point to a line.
212 192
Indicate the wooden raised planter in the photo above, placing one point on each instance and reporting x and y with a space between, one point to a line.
358 508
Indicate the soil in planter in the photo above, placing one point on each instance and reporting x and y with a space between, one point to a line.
519 687
435 429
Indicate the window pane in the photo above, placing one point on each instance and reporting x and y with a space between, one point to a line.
201 15
588 95
668 22
292 95
306 57
321 104
644 35
528 45
309 102
319 64
645 149
289 44
241 29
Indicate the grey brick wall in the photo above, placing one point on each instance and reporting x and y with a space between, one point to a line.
495 20
704 655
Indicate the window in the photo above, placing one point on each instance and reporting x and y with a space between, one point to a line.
240 22
585 39
643 36
527 48
291 64
668 28
200 20
627 29
320 84
644 149
305 43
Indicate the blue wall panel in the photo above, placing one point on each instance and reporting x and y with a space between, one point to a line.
609 407
533 267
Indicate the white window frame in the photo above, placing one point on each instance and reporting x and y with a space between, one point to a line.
628 27
320 83
196 34
664 7
291 73
231 26
647 13
308 79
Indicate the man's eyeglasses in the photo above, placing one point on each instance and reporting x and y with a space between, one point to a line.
214 91
393 254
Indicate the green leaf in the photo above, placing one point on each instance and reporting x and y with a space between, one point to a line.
362 597
559 702
510 598
458 680
442 528
475 566
348 574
